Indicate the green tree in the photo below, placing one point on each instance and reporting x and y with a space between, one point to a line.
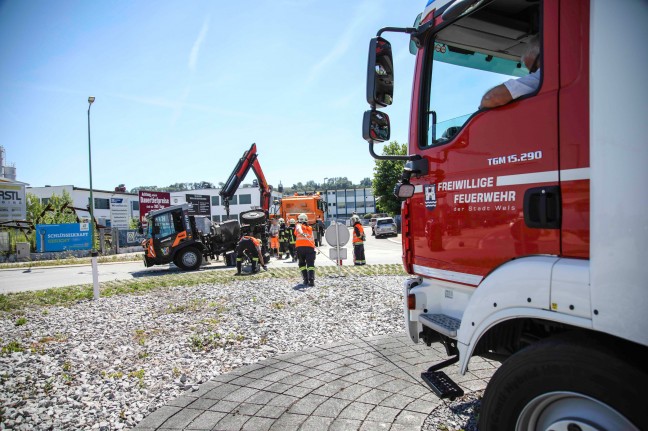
366 182
386 175
55 214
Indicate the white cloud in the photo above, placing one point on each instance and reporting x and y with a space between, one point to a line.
195 49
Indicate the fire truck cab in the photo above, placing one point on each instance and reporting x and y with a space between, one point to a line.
523 224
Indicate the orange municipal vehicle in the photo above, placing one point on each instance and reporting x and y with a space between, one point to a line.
173 235
310 204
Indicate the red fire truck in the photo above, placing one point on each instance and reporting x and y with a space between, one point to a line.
524 225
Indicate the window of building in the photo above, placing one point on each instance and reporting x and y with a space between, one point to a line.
234 200
215 200
100 203
135 205
215 219
245 199
45 201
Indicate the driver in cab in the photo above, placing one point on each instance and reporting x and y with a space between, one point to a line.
515 88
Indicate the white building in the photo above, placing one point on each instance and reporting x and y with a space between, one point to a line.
246 198
81 199
344 202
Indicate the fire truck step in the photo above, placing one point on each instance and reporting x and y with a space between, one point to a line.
442 385
441 323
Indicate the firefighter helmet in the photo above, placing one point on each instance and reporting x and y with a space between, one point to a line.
355 219
282 221
303 218
292 221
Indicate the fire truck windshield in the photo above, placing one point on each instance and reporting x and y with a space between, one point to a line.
469 57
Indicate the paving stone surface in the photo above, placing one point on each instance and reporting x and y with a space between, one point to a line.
362 384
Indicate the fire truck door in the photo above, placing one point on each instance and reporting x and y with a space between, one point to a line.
493 181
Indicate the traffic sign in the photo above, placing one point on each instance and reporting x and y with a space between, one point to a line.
337 234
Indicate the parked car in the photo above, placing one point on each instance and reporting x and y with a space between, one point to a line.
372 223
385 226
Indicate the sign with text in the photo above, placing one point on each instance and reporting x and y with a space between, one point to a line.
130 238
13 205
199 205
151 201
61 237
119 213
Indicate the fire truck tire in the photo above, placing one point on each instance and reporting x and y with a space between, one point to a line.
575 379
188 259
253 217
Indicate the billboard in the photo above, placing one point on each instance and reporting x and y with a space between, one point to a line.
61 237
13 205
199 205
119 213
151 201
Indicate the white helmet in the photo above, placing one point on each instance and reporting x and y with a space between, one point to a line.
355 219
292 221
282 220
303 218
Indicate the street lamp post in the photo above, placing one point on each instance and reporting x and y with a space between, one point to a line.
93 252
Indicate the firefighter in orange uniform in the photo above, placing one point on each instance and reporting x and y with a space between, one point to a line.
358 241
305 247
250 246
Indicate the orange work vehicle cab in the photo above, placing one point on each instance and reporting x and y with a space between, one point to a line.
311 204
524 202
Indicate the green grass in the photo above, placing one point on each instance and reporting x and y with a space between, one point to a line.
65 296
11 347
74 261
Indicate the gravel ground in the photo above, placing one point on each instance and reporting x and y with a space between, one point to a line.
107 364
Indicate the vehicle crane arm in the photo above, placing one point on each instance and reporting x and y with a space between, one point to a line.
247 162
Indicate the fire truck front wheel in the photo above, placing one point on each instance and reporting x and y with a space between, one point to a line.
188 259
572 382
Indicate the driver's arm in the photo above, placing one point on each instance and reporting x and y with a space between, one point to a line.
496 96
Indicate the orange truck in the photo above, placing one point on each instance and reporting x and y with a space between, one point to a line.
310 204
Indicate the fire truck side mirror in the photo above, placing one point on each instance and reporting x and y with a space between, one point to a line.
403 190
140 228
375 126
380 73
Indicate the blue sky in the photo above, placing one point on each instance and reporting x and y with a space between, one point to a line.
183 88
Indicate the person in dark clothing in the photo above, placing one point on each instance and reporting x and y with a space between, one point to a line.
283 240
290 233
251 247
319 226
